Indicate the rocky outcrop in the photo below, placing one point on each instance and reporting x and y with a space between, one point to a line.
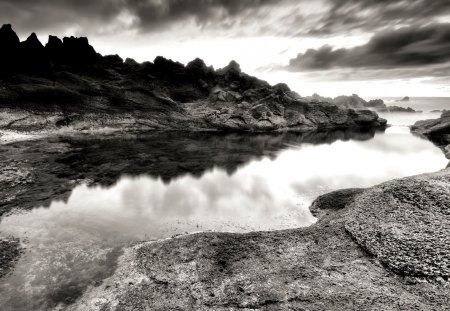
404 99
353 101
397 109
67 84
436 130
404 225
375 103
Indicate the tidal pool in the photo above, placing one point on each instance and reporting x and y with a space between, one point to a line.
158 186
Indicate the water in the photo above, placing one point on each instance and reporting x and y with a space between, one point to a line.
425 104
157 186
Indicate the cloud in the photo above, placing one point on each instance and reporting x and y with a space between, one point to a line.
153 13
144 15
257 17
375 15
401 48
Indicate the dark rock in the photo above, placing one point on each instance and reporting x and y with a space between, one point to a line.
375 103
353 101
78 51
70 78
397 109
8 38
198 69
54 48
131 62
113 60
404 99
436 130
334 200
9 47
32 54
32 44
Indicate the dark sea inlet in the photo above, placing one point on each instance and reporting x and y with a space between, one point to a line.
111 192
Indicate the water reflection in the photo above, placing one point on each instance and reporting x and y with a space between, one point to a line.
157 186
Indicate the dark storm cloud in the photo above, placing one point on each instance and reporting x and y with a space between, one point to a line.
405 47
371 15
155 13
35 15
280 17
53 16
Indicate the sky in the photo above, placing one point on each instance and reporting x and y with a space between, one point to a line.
375 48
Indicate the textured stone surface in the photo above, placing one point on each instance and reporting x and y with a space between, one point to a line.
406 225
379 249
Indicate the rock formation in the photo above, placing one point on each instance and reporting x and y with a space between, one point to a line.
68 84
397 109
404 99
403 225
436 130
375 103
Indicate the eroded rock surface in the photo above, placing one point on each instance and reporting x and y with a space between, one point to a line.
383 248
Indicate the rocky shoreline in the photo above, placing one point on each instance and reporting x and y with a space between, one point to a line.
67 86
436 130
382 248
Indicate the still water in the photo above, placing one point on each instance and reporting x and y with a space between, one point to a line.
156 188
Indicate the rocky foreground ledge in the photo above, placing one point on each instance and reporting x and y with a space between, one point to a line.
66 85
436 130
382 248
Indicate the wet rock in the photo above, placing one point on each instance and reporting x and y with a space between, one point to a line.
334 200
436 130
323 267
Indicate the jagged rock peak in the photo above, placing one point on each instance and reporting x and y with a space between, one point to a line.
54 42
78 49
8 37
198 68
33 42
131 62
196 63
233 65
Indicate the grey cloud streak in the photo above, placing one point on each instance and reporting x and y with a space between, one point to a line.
281 17
373 15
149 15
402 48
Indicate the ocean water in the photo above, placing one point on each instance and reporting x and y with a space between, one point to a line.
425 104
175 184
428 107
